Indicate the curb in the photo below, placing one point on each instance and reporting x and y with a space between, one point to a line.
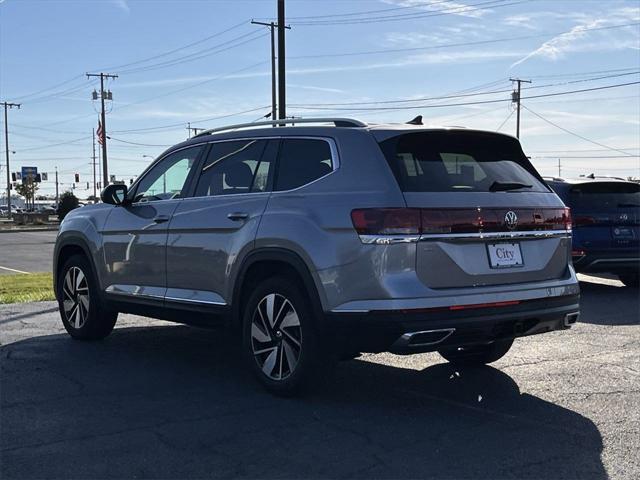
22 230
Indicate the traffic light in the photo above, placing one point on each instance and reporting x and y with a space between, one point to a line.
77 177
13 176
87 185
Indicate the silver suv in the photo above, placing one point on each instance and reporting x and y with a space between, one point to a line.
318 242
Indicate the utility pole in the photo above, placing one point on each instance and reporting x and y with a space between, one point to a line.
195 129
93 163
515 98
272 26
108 96
8 105
559 169
282 83
57 196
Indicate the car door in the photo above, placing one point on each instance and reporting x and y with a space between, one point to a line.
210 233
135 234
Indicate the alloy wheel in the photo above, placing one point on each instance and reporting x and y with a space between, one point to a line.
75 290
276 336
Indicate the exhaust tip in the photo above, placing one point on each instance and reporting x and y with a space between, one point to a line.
423 338
571 318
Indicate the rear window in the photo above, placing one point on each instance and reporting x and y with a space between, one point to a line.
604 196
460 162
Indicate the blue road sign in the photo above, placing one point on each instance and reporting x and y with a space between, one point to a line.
29 172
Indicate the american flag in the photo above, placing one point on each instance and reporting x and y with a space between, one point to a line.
100 133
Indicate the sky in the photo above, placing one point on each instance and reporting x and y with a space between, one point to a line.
376 60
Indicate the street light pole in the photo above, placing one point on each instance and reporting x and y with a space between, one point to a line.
8 105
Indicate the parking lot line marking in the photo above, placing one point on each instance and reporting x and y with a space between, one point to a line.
14 270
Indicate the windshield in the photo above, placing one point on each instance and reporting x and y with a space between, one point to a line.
447 161
605 196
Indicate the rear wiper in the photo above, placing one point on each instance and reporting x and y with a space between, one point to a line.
504 186
624 205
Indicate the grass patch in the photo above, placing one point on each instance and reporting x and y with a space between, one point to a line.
35 287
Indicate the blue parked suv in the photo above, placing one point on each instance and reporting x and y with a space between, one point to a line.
606 224
321 241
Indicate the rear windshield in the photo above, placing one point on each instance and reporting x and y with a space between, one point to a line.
604 196
460 162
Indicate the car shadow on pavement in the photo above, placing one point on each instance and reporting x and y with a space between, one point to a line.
604 304
174 402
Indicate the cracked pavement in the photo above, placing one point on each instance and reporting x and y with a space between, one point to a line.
159 400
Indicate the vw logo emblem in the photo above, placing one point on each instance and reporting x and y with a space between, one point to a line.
511 220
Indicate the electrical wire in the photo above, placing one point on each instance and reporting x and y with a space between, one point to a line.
505 120
413 16
453 45
576 134
411 107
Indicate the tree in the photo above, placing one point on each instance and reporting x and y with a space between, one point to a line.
28 191
68 201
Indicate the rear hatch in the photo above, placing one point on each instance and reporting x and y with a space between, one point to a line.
606 216
486 216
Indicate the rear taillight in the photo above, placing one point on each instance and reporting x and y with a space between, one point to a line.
431 221
386 221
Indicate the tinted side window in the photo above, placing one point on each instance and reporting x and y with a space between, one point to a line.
168 177
234 167
302 161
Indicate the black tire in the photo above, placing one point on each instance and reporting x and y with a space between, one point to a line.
477 354
83 314
630 279
285 359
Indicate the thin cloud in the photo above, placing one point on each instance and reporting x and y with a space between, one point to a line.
581 39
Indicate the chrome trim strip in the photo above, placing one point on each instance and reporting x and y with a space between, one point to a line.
615 260
112 291
188 300
389 239
530 234
392 239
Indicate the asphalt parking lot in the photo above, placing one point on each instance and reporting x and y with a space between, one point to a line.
157 400
26 251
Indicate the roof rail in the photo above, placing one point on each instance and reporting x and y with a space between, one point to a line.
338 122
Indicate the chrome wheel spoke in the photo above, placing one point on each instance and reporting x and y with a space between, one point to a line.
291 339
292 360
270 363
259 335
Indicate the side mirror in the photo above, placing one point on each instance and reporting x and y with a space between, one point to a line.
114 194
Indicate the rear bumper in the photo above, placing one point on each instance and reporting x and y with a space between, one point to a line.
407 332
615 262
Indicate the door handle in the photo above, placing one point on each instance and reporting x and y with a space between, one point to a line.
161 219
236 216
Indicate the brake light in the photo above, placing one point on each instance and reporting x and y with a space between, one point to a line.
429 221
578 253
386 221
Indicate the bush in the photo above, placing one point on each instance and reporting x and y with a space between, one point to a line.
68 201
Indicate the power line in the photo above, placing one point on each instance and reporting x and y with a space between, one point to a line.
505 120
444 97
198 55
413 16
458 44
139 144
52 145
442 105
169 52
576 134
350 14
